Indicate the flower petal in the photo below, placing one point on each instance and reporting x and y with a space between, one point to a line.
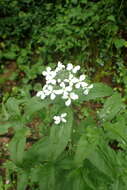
68 102
77 85
86 91
62 84
69 67
77 68
68 88
91 86
84 84
52 97
82 77
49 87
65 95
73 96
39 93
74 80
58 80
48 69
57 119
60 91
63 120
63 115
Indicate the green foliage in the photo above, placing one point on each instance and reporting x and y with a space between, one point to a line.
88 32
111 107
70 154
89 151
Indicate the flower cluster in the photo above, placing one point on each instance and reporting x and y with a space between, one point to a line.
64 82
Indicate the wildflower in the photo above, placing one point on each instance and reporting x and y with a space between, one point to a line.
69 97
59 119
49 75
60 66
65 89
51 81
59 80
80 82
41 94
88 89
70 67
62 81
48 89
76 68
71 80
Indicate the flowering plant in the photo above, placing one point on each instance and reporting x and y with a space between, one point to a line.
72 138
66 83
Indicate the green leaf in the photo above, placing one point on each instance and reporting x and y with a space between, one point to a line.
117 130
47 177
49 148
76 179
98 160
111 107
39 152
22 181
34 105
86 145
13 107
17 145
119 43
99 90
9 55
4 127
105 160
60 135
111 18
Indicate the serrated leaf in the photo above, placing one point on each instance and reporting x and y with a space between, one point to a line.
111 107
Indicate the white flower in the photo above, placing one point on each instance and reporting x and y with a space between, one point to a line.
71 80
80 82
65 89
59 119
49 75
60 66
48 90
69 67
51 81
69 97
76 68
91 86
88 89
59 80
41 94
